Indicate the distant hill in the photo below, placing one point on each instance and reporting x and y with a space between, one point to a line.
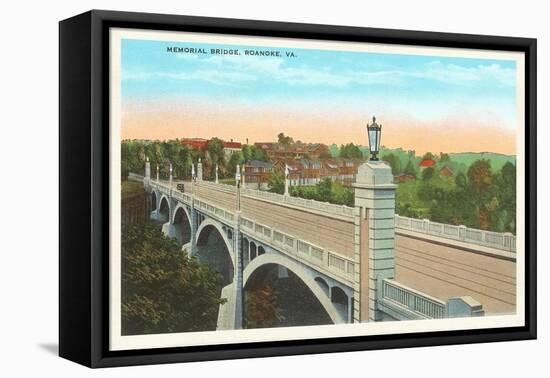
497 160
461 160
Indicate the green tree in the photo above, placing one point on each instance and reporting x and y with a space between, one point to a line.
236 158
350 151
215 150
276 182
324 190
164 290
393 161
480 177
284 140
460 180
341 195
428 155
410 168
258 154
261 309
428 173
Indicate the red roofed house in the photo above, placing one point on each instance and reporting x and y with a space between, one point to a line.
229 148
195 143
425 163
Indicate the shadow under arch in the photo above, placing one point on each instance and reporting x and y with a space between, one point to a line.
261 263
214 249
164 209
154 200
182 225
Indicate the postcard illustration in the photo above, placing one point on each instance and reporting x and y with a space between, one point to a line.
276 185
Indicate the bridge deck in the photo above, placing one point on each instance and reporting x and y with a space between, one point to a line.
333 234
444 272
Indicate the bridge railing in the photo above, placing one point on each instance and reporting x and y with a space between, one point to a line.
413 300
215 211
503 241
336 264
309 204
135 177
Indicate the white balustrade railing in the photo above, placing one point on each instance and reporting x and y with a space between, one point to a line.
338 265
135 177
413 300
503 241
308 204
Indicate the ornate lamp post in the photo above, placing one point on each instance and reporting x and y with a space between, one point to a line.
238 176
374 131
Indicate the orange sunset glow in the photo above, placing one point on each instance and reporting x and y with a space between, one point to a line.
450 134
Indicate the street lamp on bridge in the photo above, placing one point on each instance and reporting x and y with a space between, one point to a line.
374 131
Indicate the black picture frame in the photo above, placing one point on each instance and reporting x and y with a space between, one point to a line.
84 182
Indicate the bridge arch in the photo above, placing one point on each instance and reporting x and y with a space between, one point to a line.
182 224
323 285
215 249
154 200
302 272
253 250
164 209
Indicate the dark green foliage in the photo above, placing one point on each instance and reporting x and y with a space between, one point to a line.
325 191
410 168
284 140
428 173
163 290
478 199
215 151
253 153
276 182
393 161
350 151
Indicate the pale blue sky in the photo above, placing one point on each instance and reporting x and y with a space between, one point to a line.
426 86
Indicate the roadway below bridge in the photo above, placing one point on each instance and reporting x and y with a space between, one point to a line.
444 271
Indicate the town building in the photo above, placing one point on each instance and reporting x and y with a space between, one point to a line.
446 171
256 174
229 148
311 171
292 152
195 143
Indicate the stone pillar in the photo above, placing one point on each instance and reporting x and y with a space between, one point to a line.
238 272
237 184
217 173
199 170
147 179
192 172
194 226
170 175
286 180
465 306
147 169
374 235
158 174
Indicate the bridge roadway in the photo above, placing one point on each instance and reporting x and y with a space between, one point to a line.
441 271
328 232
445 271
